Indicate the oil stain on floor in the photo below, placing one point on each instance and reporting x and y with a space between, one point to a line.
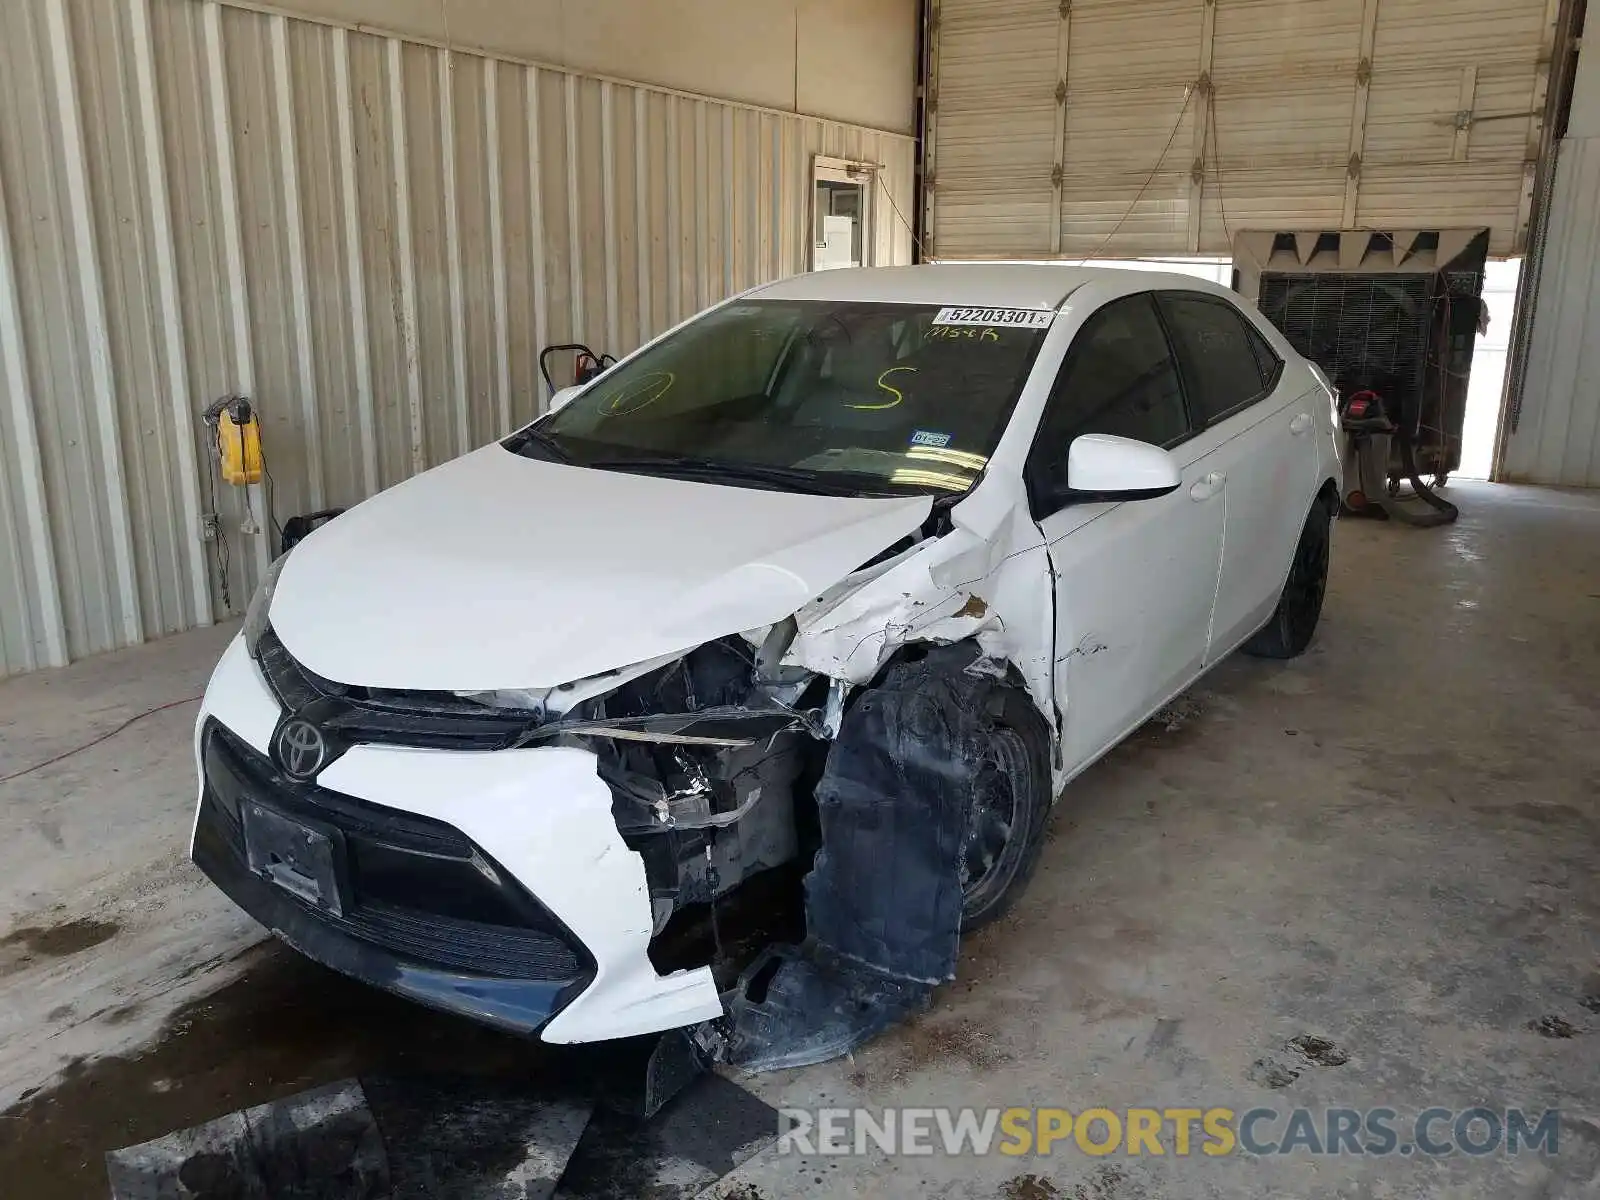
23 947
283 1026
455 1089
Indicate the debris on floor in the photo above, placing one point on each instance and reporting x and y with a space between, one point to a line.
1270 1073
1552 1026
394 1138
305 1145
1319 1051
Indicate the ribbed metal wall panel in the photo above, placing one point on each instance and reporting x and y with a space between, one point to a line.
1551 429
1557 438
368 236
1117 128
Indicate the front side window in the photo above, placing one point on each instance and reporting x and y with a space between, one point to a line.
1118 378
1222 363
825 395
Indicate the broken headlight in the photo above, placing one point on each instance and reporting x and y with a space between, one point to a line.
706 697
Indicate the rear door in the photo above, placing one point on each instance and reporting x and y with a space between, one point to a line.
1134 579
1259 438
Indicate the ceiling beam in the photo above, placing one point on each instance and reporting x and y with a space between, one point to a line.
1201 123
1466 96
1358 112
1058 171
930 128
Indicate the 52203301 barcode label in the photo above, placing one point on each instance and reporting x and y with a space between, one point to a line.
1026 318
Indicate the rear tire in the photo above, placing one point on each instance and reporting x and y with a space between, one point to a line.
1293 622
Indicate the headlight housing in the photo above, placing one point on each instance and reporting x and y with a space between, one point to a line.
255 616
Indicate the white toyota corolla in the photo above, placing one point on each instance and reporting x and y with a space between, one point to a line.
848 575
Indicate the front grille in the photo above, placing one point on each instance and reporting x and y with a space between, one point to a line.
416 887
464 945
385 716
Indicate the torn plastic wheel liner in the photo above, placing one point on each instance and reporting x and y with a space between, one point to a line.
796 1006
897 802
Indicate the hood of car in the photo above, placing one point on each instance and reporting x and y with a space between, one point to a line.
498 571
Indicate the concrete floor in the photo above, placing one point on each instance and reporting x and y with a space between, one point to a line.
1392 843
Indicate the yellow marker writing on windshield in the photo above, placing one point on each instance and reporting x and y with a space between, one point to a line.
641 393
895 392
956 332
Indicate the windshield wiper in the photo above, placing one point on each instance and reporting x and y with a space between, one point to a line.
535 436
685 466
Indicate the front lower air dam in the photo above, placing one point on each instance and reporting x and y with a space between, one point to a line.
539 821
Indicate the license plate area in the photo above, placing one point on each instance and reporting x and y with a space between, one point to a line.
293 855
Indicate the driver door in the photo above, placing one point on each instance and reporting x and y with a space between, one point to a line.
1135 579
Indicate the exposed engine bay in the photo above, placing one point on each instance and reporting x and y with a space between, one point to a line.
705 814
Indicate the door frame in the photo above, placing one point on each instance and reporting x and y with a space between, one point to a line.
826 169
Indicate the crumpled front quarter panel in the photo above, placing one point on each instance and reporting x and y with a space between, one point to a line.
988 580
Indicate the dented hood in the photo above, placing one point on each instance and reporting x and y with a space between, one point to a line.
497 571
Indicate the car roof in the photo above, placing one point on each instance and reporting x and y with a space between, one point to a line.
977 284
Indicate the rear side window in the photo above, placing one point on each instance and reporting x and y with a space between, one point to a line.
1266 357
1226 364
1119 377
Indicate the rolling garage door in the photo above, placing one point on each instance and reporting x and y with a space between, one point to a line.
1118 128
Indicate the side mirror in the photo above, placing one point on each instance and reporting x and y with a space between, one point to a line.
1101 466
564 397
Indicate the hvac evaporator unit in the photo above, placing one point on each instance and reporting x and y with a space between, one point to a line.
1391 315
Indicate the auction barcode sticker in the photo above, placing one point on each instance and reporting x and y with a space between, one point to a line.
1025 318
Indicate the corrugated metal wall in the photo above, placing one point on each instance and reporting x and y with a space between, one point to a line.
1122 128
1553 434
369 237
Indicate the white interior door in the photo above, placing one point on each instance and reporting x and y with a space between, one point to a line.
841 208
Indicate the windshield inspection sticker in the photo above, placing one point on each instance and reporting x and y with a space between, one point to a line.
1024 318
928 437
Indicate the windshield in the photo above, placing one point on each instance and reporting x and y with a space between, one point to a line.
868 398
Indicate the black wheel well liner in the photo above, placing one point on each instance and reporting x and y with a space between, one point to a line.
1328 495
912 652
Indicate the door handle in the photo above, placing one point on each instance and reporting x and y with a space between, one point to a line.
1207 486
1300 424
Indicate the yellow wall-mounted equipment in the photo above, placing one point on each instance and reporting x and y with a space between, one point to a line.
238 442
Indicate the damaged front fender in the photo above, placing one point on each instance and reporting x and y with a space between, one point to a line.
986 580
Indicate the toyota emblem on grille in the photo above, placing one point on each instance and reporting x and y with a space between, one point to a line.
301 748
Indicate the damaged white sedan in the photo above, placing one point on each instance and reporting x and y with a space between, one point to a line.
822 596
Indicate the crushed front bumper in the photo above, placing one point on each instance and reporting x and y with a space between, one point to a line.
490 884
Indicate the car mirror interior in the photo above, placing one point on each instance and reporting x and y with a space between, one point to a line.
564 397
1101 466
